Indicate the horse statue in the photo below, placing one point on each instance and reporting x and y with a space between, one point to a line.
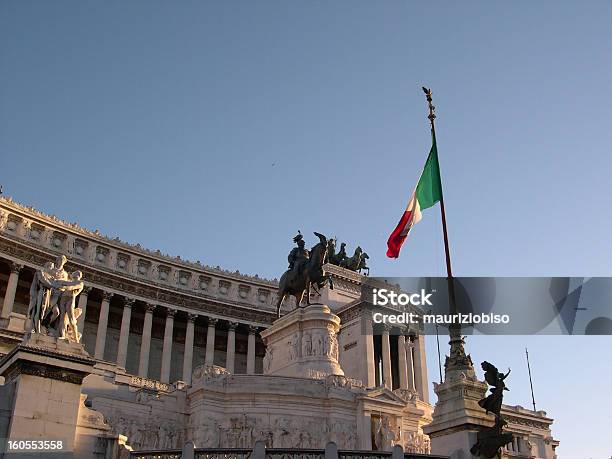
330 256
362 264
297 281
340 256
353 262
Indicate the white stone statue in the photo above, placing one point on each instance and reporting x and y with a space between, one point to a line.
306 345
40 295
52 309
385 436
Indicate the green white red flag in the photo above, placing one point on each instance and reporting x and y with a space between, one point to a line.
427 192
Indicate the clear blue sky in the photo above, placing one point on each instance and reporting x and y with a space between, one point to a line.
216 130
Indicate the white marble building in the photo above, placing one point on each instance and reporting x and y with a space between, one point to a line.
178 353
150 320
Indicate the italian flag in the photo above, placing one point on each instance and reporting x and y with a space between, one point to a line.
427 192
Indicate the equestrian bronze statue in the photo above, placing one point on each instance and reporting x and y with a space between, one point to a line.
305 270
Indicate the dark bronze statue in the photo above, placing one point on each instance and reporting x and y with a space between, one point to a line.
493 402
491 439
305 270
362 264
355 263
299 255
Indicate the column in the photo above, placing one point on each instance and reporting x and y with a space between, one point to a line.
167 348
188 354
102 325
251 350
386 356
209 359
420 368
231 347
402 365
145 343
124 334
11 289
370 377
365 426
83 297
409 362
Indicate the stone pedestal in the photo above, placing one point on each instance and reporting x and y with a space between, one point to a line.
16 322
457 417
303 344
43 377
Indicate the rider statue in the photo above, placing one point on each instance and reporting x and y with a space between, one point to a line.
299 255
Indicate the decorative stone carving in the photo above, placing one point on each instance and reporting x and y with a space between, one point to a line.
183 278
102 255
16 268
143 267
386 435
263 296
224 287
13 223
204 283
243 291
80 247
208 373
123 261
303 343
417 443
36 232
163 272
57 240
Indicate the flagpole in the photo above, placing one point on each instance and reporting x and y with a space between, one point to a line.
458 359
432 117
530 381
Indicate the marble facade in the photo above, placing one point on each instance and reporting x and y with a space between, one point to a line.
179 351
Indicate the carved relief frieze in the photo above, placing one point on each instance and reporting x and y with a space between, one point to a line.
14 212
224 287
13 222
183 278
244 291
263 296
58 241
144 267
204 283
133 288
279 431
37 232
102 255
163 273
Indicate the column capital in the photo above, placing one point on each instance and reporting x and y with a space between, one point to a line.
129 302
386 329
212 322
253 329
231 326
16 267
191 317
86 290
170 312
150 308
107 295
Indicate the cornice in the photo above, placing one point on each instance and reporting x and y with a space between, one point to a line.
146 291
57 223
